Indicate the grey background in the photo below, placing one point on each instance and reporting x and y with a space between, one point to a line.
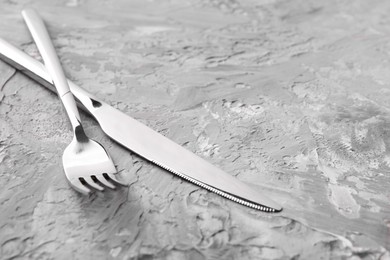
289 96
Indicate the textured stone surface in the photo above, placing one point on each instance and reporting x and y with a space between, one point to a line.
290 96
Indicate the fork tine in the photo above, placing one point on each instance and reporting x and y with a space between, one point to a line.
79 186
93 184
104 181
112 177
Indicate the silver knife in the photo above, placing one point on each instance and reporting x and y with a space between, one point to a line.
146 142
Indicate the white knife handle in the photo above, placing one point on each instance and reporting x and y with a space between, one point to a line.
38 72
42 39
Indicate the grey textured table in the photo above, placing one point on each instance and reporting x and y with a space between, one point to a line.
292 97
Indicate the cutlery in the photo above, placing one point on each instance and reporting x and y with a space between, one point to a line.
86 163
146 142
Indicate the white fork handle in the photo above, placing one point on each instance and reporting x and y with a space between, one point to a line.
42 39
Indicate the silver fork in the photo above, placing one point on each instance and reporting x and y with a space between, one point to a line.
86 162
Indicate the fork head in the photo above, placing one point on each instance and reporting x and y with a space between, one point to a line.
87 165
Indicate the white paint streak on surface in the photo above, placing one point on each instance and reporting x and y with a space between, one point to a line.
343 200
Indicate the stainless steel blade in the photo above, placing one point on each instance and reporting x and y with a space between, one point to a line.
146 142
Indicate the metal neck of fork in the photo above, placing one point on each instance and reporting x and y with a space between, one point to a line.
74 117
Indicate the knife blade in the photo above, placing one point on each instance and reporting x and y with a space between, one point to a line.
146 142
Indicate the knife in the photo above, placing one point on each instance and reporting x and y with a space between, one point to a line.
146 142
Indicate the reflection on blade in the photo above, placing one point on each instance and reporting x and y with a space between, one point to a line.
146 142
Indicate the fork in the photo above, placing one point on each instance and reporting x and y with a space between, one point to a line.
86 163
